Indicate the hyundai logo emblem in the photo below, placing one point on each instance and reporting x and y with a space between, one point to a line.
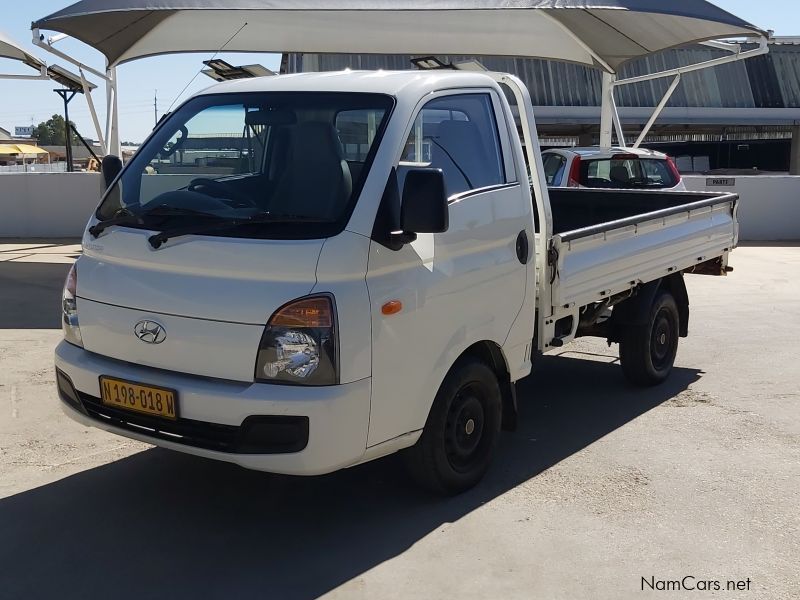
150 332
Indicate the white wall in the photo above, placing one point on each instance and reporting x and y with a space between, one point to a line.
43 205
47 205
769 205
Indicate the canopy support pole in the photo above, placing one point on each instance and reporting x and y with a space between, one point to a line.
657 112
617 122
95 120
112 113
607 110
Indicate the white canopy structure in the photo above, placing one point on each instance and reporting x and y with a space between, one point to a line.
75 82
600 33
13 51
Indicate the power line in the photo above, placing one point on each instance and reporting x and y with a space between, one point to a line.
200 70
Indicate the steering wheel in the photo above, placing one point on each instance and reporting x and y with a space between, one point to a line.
226 190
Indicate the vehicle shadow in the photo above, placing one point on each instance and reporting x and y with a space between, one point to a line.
162 524
30 295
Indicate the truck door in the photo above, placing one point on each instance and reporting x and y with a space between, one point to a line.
459 287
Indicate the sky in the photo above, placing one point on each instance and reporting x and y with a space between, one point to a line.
24 103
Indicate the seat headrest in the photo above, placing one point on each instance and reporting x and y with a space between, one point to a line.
619 174
314 139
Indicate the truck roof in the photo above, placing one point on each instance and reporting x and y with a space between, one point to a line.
394 83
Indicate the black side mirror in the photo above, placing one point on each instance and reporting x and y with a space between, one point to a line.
424 208
110 168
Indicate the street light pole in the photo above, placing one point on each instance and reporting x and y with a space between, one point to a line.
67 95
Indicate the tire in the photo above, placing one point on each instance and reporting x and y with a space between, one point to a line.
460 435
647 352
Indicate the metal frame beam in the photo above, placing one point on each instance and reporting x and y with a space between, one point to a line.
609 116
109 141
763 48
657 112
41 77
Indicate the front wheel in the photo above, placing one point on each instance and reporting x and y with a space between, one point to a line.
647 352
458 441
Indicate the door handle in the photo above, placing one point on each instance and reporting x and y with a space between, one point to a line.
523 247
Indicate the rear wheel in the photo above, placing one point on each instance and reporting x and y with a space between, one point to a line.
458 441
647 352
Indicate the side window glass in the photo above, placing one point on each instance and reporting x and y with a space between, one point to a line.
457 134
357 130
554 168
656 173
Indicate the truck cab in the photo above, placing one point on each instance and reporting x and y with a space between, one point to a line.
302 273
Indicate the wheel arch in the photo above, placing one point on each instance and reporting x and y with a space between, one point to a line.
636 310
491 354
677 287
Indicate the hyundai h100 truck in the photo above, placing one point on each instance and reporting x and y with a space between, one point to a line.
302 273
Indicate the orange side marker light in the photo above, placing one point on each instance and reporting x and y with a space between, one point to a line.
392 307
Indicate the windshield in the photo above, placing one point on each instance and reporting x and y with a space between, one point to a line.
285 165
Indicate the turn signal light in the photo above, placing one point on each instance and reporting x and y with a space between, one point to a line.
299 345
313 312
392 307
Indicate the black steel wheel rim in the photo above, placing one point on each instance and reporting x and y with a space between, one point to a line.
465 442
662 340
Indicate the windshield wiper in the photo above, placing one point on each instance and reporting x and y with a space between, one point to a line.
122 217
158 240
125 217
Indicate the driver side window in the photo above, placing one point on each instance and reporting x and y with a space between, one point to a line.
457 134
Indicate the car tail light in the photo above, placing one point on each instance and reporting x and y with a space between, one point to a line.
673 168
69 309
574 179
299 344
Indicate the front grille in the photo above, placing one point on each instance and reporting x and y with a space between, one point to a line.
200 434
256 435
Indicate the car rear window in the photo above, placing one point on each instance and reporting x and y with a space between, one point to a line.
627 173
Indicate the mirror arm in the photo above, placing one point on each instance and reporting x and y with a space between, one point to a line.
401 238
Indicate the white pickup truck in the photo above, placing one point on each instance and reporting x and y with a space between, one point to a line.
302 273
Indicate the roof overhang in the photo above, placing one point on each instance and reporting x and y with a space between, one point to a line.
687 117
598 33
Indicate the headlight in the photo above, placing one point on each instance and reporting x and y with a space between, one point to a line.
299 344
69 309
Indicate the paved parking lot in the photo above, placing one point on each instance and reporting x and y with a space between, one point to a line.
602 485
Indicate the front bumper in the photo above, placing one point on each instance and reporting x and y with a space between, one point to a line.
214 415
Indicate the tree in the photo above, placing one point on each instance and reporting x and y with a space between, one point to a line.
53 132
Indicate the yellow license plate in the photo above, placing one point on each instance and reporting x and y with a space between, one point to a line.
135 397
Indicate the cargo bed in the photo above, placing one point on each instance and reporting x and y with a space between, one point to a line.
608 241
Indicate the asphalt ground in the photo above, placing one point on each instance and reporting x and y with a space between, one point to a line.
604 491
